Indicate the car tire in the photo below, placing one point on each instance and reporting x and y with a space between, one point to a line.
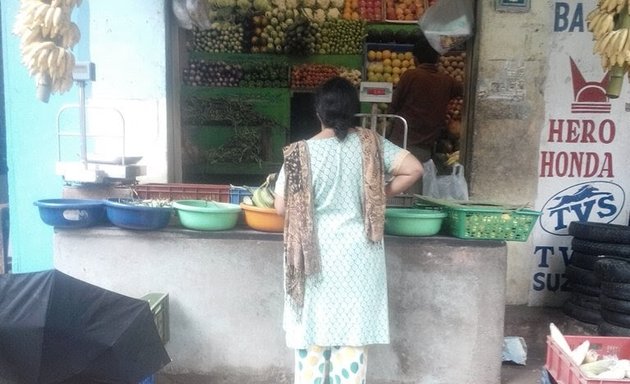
606 329
619 291
586 315
584 260
615 305
598 248
581 276
585 301
588 290
613 269
600 232
616 318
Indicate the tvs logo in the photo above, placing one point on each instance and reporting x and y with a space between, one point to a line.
596 201
588 97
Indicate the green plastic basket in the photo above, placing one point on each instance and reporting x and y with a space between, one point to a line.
485 221
491 223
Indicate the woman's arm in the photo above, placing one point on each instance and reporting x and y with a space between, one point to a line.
404 175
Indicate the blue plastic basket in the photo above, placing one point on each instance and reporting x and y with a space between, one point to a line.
125 214
237 193
71 213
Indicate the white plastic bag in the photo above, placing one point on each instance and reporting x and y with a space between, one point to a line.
449 187
447 24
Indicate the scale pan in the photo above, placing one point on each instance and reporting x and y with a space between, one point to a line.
116 160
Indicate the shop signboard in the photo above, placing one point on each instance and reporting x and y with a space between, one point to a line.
583 157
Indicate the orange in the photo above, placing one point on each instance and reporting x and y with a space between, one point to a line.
387 54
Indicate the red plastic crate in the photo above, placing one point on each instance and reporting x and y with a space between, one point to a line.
175 191
565 371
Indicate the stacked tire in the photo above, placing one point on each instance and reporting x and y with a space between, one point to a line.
583 303
600 262
615 297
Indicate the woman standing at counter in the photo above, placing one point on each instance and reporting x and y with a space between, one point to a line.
332 192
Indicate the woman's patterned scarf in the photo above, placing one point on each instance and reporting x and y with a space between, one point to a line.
300 244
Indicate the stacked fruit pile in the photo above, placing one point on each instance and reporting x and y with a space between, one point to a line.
369 10
338 36
404 10
222 36
47 36
312 75
454 109
207 73
353 75
388 65
453 64
201 73
296 31
266 75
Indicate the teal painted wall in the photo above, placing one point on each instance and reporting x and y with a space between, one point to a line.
126 40
31 154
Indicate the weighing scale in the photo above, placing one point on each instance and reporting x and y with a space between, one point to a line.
379 92
94 168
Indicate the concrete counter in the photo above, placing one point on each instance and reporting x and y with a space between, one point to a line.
446 301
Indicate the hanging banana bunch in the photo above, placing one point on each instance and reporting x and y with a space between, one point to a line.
610 22
47 36
263 196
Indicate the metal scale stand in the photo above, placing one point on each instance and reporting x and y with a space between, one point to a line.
96 170
379 92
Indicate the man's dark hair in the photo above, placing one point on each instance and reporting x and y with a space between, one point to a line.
424 52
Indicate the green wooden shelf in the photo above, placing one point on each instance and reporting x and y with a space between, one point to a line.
264 168
350 61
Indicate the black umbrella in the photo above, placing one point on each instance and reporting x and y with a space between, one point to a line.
58 329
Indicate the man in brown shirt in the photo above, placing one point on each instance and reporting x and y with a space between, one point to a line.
421 97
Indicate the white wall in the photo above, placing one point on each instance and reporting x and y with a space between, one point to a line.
127 43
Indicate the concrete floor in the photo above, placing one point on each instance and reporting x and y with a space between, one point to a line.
531 323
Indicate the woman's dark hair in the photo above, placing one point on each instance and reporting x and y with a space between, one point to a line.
423 51
336 103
